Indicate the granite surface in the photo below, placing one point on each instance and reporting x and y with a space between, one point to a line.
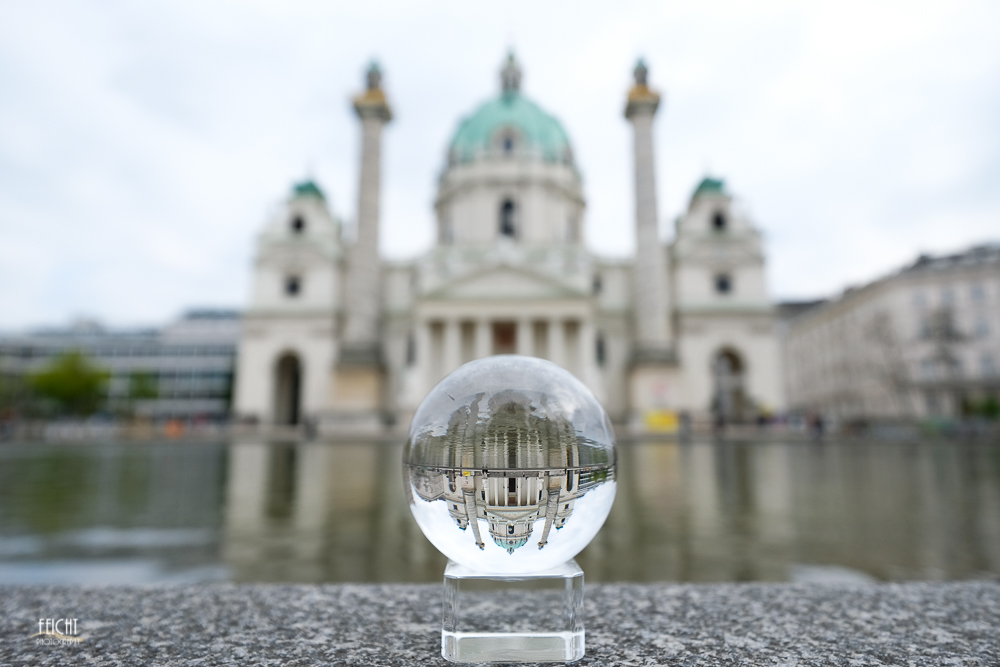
637 625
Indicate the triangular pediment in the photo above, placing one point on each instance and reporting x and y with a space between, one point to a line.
503 283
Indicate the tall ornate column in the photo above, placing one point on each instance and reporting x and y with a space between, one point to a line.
362 294
654 377
650 277
358 382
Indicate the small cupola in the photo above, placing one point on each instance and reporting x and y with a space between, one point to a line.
307 188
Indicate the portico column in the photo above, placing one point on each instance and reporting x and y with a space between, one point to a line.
452 346
524 342
589 372
422 331
588 343
557 342
483 339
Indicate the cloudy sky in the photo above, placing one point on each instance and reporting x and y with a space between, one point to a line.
142 145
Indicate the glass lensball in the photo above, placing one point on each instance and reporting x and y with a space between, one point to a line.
510 465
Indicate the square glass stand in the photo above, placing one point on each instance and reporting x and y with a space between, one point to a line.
534 617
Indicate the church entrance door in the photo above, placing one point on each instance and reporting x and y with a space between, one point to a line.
288 390
729 402
504 338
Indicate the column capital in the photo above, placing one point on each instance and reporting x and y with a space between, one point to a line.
368 105
641 99
372 103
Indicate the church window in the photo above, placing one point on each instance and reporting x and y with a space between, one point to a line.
987 366
597 283
293 285
298 224
723 283
507 214
932 402
508 144
719 221
982 327
978 293
599 352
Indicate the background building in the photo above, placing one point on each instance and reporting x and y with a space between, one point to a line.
921 342
186 367
337 337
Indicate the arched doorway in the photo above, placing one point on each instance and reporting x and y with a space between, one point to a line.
288 390
729 402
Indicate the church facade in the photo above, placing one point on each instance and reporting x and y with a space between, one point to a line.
337 338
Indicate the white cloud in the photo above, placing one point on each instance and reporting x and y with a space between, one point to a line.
141 146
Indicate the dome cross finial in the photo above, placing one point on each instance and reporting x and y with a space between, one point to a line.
510 75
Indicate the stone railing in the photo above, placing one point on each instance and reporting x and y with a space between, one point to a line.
629 624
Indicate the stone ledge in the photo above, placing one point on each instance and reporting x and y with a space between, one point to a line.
627 624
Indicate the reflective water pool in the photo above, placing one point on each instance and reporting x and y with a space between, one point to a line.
701 511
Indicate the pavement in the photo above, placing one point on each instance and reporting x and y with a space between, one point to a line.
639 625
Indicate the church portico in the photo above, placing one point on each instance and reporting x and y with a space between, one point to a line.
449 334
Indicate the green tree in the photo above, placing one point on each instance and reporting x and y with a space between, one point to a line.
72 383
990 408
143 384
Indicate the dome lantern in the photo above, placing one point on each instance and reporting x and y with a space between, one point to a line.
510 75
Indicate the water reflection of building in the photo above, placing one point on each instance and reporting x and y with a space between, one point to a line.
318 512
683 512
510 470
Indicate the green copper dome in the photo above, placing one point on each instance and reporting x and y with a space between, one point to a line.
710 186
510 543
307 189
511 122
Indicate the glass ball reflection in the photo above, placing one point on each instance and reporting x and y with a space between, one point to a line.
510 465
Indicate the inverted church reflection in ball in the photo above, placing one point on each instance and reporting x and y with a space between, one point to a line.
510 465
